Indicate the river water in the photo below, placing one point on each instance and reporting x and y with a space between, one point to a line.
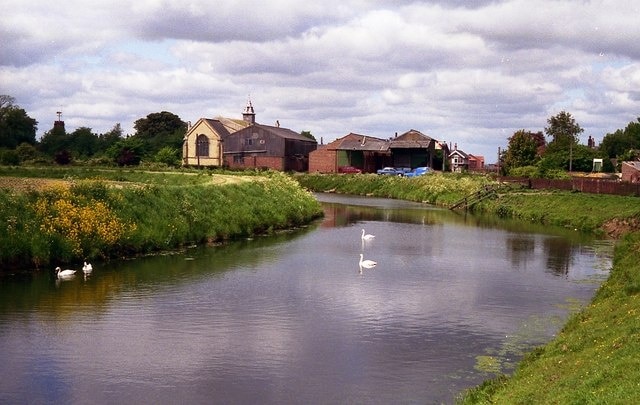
293 319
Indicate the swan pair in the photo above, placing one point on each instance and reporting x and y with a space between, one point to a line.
366 263
68 273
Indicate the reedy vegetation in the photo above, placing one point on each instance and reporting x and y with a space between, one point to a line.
95 219
594 358
434 188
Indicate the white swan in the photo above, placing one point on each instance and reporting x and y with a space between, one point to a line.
367 263
87 268
64 274
367 236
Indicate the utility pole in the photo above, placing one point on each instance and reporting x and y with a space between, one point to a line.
570 154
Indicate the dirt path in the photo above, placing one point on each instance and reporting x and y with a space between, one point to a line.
25 184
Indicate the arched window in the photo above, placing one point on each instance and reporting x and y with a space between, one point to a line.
202 145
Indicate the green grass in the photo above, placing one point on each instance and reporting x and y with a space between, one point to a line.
150 212
582 211
434 188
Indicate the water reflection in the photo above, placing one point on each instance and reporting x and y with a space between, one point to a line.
293 317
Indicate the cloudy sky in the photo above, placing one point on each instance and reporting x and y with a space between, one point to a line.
469 72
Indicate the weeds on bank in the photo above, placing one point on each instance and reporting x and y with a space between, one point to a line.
94 219
434 188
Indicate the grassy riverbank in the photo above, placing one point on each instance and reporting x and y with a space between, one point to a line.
594 357
63 216
435 188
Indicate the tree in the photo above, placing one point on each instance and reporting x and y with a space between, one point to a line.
523 150
620 142
308 134
106 140
83 143
169 156
55 140
26 152
16 126
563 129
161 129
127 152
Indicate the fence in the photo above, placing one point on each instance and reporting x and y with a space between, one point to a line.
582 184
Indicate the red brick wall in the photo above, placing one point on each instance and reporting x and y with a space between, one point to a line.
271 162
323 161
630 173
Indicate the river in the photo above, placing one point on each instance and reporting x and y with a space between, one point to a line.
292 318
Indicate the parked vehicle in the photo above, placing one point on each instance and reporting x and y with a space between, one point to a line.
418 171
349 169
390 171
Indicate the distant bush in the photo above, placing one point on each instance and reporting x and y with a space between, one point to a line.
531 172
9 157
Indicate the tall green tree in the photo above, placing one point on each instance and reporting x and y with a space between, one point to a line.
161 129
106 140
620 142
83 142
16 126
563 129
523 149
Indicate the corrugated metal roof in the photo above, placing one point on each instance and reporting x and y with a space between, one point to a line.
359 142
284 132
411 139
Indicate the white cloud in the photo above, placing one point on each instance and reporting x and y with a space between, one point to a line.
470 72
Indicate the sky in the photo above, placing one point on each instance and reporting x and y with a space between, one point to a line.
466 72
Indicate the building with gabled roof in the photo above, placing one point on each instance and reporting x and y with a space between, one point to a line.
266 146
202 144
458 160
630 171
415 149
244 143
361 151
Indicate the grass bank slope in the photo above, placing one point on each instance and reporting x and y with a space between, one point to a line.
435 188
68 218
